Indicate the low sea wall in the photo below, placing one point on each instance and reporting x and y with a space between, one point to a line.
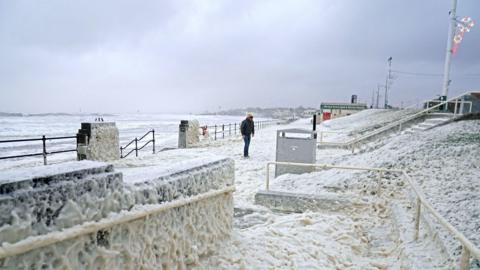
85 215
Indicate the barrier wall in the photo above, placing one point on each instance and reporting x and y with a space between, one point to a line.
84 215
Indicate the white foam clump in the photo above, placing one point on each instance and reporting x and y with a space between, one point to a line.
174 239
438 158
103 142
193 132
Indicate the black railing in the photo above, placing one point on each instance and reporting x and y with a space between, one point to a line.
135 142
232 128
44 153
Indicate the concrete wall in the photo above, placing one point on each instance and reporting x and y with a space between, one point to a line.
64 195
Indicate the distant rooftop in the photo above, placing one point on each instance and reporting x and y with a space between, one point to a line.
344 106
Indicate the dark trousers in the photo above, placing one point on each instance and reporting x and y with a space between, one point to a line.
246 139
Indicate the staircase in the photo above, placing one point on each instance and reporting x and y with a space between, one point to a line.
435 120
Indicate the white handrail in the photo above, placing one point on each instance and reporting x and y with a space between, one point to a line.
469 249
396 123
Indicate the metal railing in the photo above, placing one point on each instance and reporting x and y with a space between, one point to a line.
468 248
234 128
352 142
135 143
44 152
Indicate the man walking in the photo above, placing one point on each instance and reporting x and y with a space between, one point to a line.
247 128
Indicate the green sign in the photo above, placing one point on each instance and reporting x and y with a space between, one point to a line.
334 106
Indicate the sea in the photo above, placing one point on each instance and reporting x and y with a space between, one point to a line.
130 126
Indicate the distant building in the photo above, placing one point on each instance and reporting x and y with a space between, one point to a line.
309 113
330 110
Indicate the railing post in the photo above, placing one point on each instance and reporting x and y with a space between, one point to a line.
153 140
455 108
44 153
215 132
136 147
121 151
379 187
223 131
235 129
417 217
267 183
462 106
465 259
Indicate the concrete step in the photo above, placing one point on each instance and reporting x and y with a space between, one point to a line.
298 202
446 116
427 125
419 128
408 131
437 120
431 123
441 115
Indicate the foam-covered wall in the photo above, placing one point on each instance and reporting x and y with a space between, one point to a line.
57 197
103 144
193 132
171 239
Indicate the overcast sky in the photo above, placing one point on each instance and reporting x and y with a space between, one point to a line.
192 56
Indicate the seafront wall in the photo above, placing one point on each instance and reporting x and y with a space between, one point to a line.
85 215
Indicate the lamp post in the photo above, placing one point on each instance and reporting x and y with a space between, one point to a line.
378 95
389 60
448 56
456 30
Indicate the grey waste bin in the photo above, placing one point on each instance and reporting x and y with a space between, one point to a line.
295 145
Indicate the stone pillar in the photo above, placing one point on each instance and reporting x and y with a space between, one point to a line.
182 134
98 141
188 133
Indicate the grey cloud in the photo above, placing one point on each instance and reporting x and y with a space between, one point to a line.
189 56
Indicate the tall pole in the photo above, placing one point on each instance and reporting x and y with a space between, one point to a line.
378 96
389 60
373 99
448 56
